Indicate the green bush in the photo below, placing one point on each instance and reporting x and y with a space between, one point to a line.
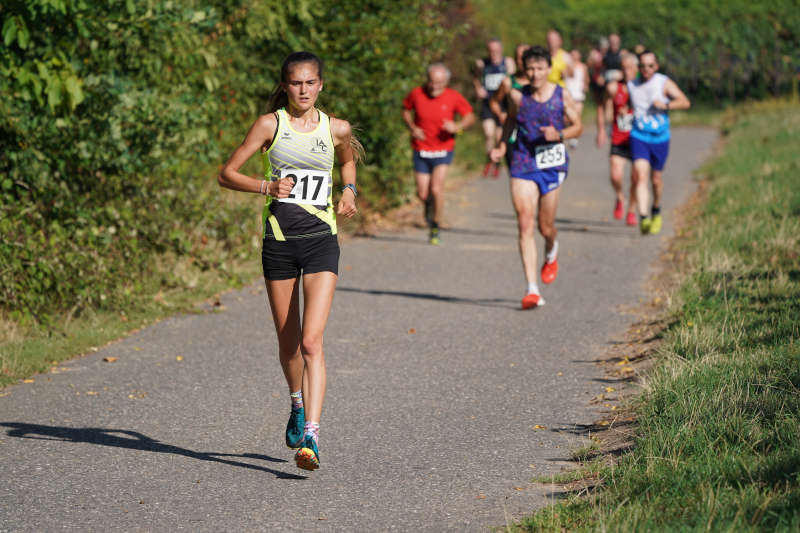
115 115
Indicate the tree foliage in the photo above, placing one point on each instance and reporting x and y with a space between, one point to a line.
715 49
112 114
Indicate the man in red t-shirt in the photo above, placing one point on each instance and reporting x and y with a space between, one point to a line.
430 112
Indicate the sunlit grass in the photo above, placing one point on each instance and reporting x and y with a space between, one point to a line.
718 436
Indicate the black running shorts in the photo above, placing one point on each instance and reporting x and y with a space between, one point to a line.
622 150
288 259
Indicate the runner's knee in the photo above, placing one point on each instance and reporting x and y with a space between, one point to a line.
311 346
525 224
547 229
288 351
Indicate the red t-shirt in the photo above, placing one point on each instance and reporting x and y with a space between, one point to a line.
623 116
430 114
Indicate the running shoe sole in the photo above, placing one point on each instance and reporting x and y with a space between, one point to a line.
306 459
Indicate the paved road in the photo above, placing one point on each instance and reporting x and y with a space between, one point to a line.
435 382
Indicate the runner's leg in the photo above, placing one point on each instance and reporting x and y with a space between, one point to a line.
658 187
284 303
423 193
318 289
616 167
437 192
525 197
632 193
547 218
642 169
490 140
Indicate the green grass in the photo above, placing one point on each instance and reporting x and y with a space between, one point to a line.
718 438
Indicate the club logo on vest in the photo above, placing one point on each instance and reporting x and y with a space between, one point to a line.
286 136
319 147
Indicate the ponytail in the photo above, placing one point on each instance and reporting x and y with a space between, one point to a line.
277 99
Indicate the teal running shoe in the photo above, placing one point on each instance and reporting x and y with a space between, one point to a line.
307 457
294 428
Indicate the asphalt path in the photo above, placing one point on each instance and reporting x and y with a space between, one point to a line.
436 382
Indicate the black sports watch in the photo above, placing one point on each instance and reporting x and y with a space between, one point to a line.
352 188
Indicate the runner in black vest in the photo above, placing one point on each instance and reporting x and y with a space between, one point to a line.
489 74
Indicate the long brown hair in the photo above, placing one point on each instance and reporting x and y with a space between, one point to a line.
278 98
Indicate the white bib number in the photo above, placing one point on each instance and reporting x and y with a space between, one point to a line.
310 187
625 122
493 81
432 154
550 155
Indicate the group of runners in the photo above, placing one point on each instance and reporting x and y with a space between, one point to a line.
529 107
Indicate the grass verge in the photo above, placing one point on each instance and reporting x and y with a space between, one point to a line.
717 442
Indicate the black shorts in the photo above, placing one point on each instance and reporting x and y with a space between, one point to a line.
622 150
287 259
486 112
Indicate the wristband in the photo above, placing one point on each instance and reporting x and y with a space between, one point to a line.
561 135
352 188
263 187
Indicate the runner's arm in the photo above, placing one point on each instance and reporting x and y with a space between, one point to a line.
603 110
480 92
343 145
585 79
677 100
570 66
497 153
511 67
497 98
416 131
261 133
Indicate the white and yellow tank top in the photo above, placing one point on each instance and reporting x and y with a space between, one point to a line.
308 158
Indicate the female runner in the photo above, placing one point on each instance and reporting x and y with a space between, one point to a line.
298 143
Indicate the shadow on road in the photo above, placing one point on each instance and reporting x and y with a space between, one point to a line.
132 440
582 225
485 302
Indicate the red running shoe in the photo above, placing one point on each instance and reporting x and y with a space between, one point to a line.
532 300
631 219
496 171
486 169
549 272
618 210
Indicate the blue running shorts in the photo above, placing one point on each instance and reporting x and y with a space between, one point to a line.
655 153
426 160
547 180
